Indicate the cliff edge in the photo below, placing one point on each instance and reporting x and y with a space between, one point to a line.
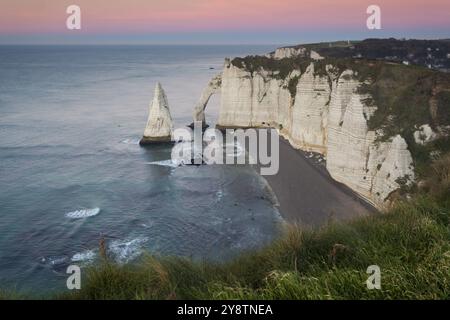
366 116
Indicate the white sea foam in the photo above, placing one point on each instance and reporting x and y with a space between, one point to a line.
165 163
131 141
55 261
79 214
147 225
219 195
236 147
186 148
127 250
84 256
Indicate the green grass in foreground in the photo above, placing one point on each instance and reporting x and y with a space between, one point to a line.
411 244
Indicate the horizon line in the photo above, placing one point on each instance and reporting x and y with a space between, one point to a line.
287 43
141 44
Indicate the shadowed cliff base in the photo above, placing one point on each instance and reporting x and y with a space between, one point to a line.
308 195
145 141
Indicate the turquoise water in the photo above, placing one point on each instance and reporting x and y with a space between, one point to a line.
70 120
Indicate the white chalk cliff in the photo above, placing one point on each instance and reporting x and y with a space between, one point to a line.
212 88
287 52
325 114
159 125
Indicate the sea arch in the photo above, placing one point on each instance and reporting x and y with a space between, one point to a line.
212 88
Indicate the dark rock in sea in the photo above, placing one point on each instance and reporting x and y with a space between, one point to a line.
204 126
196 164
146 141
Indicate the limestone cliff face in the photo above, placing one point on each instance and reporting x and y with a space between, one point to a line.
253 100
212 88
307 129
159 125
326 114
354 157
287 52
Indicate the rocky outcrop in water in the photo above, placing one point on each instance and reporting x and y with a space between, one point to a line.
159 125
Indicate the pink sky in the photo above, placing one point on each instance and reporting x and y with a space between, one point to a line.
106 16
221 21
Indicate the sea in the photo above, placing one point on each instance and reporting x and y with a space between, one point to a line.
73 177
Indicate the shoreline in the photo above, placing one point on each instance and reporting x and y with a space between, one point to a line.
308 195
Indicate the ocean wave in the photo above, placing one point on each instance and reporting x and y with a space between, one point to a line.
85 256
219 195
238 150
59 263
269 193
127 250
56 263
185 150
165 163
85 213
131 141
147 225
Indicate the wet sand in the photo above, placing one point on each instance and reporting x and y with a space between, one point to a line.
308 195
